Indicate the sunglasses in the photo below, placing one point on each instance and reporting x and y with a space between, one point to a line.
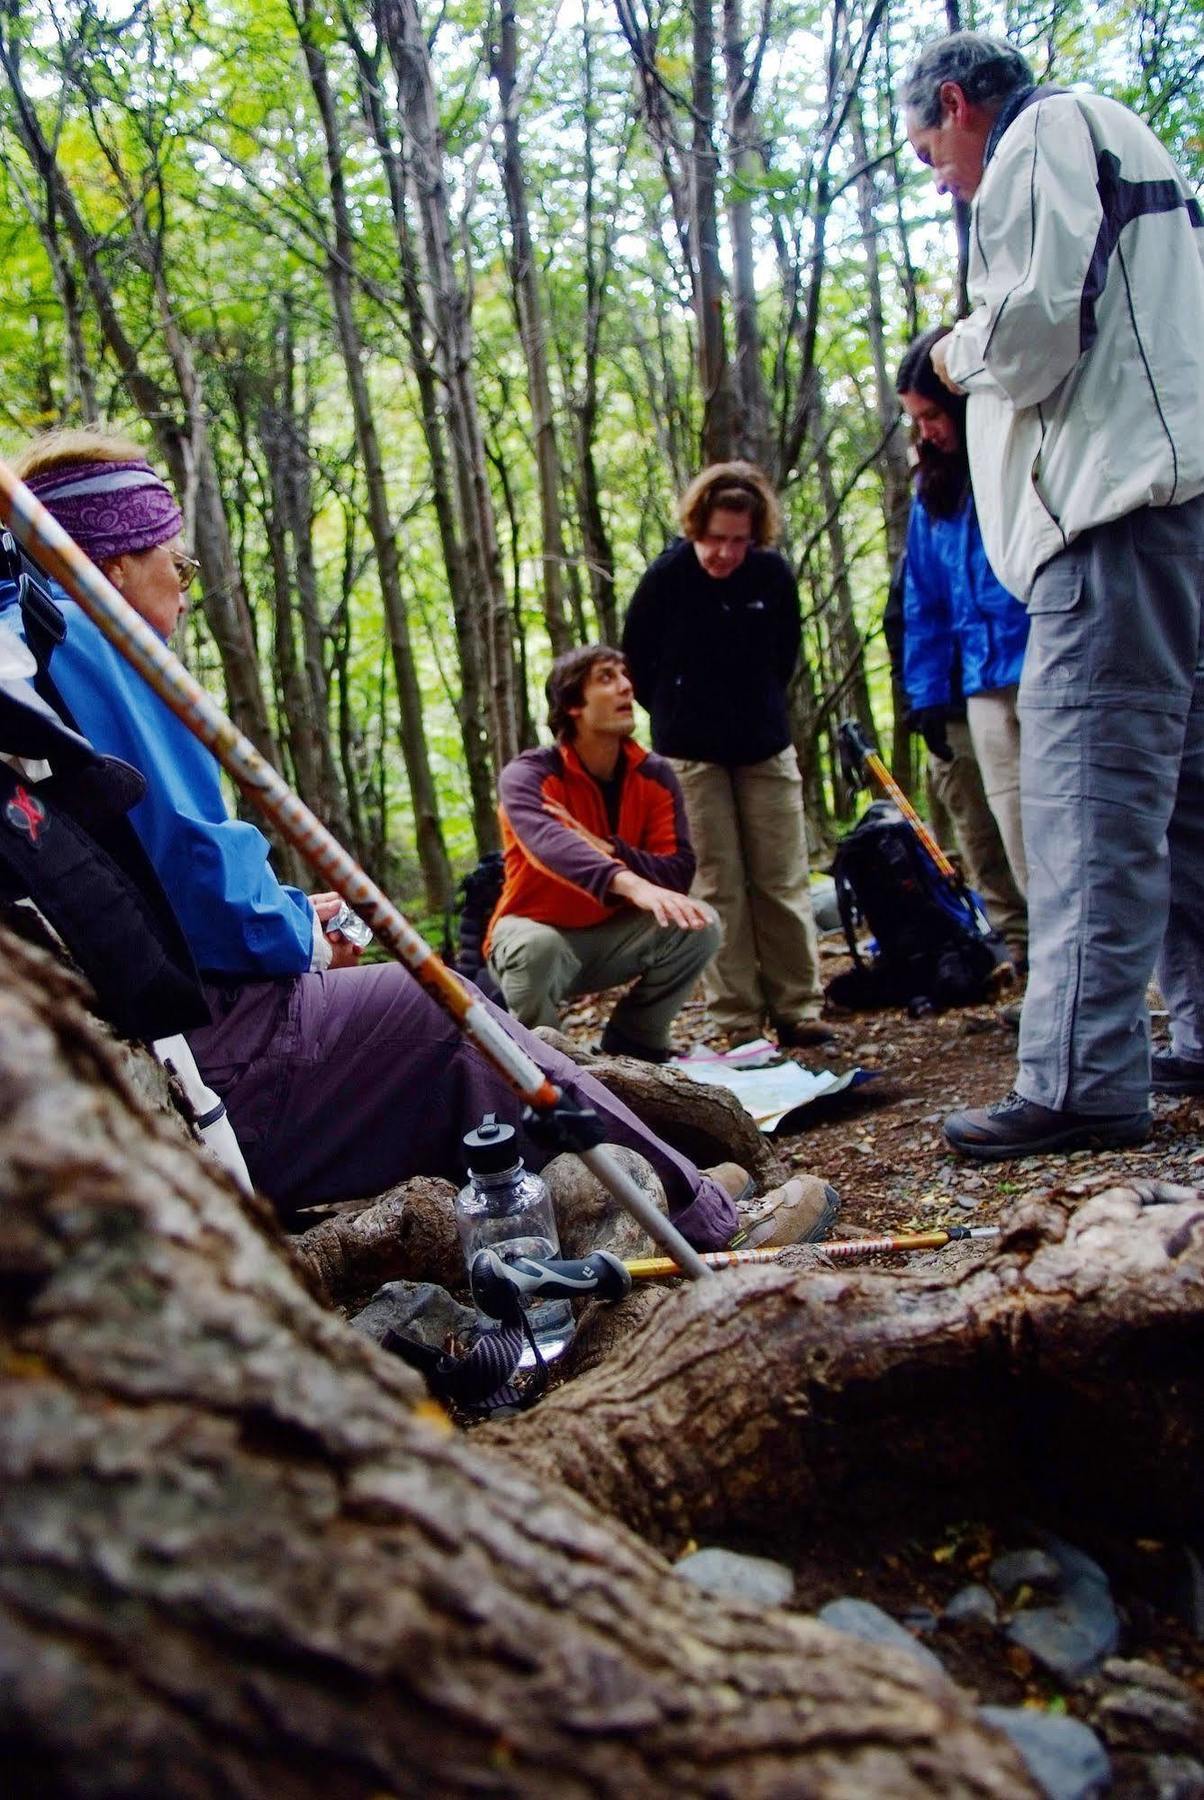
187 568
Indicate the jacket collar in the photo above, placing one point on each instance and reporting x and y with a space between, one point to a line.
1011 109
629 751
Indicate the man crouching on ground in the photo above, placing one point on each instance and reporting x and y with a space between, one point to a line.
598 864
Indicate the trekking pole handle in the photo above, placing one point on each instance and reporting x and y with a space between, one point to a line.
496 1280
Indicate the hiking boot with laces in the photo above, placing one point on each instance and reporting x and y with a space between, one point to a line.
735 1181
1015 1127
1170 1074
801 1211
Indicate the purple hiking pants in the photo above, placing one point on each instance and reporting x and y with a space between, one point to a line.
341 1085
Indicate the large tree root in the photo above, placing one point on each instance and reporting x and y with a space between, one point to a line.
241 1553
407 1235
1066 1368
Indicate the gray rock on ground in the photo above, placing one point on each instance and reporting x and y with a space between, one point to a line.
1072 1637
862 1619
589 1218
1063 1756
732 1576
420 1309
972 1605
1024 1568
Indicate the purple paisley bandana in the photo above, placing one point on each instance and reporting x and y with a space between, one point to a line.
109 508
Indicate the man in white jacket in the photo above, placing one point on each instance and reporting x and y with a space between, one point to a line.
1084 363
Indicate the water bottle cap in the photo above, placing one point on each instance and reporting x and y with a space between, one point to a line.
491 1147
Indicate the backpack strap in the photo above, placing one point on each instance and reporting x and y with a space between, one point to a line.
98 911
846 903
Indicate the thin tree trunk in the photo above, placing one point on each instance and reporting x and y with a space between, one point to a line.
896 477
428 830
468 599
599 556
402 32
713 371
751 430
529 306
292 482
848 677
961 208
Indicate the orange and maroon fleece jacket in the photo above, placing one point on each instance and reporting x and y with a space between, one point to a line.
556 877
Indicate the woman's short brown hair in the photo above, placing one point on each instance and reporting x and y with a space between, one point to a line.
738 487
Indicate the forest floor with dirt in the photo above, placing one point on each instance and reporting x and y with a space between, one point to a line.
882 1148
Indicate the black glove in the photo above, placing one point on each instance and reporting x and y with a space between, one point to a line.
932 724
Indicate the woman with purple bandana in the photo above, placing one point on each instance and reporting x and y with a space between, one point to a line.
340 1081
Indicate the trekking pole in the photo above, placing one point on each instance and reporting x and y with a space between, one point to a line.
602 1275
655 1268
52 549
858 746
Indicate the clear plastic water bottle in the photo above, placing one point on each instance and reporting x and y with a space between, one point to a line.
507 1208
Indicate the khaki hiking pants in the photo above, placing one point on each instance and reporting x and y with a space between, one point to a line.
956 790
995 733
537 965
749 837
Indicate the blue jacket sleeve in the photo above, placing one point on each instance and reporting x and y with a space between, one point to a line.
238 918
928 641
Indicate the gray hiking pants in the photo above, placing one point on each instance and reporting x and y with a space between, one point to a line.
341 1085
1112 786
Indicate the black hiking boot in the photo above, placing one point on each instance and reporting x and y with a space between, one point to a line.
615 1042
1170 1074
1015 1127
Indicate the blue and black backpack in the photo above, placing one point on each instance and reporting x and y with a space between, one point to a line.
932 947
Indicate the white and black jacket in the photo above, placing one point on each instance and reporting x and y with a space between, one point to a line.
1084 356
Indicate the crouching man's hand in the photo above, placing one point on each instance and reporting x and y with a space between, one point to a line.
666 906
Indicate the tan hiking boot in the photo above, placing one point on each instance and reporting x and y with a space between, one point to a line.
736 1182
801 1211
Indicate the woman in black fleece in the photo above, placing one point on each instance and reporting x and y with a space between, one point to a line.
711 641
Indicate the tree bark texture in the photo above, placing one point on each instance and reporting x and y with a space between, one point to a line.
241 1552
408 1234
1064 1370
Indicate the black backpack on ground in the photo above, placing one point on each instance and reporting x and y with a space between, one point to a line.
934 948
466 923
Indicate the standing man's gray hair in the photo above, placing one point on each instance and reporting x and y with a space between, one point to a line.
985 69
